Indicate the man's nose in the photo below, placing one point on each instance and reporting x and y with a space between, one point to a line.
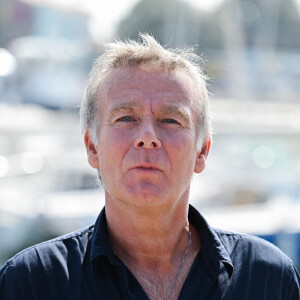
147 137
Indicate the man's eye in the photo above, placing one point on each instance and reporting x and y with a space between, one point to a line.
170 121
126 119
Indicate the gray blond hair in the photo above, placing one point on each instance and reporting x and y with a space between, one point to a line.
147 53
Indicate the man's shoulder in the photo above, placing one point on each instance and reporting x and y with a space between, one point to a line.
44 270
259 265
55 250
253 250
249 243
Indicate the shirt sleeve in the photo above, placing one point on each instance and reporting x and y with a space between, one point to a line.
293 292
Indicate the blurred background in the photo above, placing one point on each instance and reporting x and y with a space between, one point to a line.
250 51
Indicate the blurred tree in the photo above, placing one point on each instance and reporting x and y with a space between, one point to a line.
252 23
289 25
267 24
172 22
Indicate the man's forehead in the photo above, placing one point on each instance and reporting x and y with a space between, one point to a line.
136 81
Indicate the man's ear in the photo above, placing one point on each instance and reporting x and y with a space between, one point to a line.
201 158
92 150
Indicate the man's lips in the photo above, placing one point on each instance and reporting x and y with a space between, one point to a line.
147 167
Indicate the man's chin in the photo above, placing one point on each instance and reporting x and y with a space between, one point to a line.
146 193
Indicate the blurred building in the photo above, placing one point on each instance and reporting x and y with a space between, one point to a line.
16 19
40 18
53 53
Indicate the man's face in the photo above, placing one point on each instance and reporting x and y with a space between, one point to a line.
146 150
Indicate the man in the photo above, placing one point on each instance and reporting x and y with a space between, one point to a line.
146 129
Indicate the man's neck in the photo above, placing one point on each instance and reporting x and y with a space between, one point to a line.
150 237
156 243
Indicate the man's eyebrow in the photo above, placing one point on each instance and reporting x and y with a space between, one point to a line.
176 110
125 106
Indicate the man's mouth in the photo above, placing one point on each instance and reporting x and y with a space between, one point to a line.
147 167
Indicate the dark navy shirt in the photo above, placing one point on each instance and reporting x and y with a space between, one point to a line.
82 265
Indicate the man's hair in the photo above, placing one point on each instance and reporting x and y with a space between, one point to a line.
151 54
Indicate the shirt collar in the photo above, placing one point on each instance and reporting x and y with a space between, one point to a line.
101 245
213 250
